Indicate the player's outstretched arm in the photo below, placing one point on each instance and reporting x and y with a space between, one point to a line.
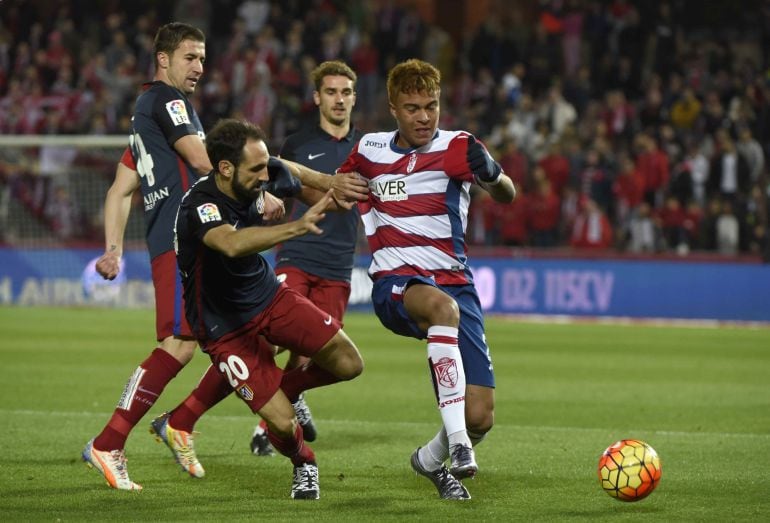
117 207
234 242
489 173
347 187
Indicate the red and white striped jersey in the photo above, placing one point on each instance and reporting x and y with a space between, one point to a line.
417 212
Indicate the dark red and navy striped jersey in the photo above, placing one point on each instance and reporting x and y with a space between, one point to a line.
221 294
162 116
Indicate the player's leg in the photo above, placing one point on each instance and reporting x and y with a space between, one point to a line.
149 379
293 321
330 296
438 314
248 365
175 428
480 381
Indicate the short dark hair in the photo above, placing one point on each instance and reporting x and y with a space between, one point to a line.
227 139
332 68
169 36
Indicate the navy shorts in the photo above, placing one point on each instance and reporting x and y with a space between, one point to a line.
387 295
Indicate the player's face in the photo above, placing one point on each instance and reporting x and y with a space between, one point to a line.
185 65
251 173
335 99
417 116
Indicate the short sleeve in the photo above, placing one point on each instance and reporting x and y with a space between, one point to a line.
128 159
456 159
173 114
203 214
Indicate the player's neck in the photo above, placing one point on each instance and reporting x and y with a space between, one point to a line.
337 131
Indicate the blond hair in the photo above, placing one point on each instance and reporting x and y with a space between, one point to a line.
413 76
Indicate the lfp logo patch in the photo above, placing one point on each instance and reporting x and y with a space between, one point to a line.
208 212
178 112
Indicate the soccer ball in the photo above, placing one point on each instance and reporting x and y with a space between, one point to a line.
629 470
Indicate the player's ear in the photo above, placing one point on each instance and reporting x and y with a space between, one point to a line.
162 58
316 98
392 109
225 168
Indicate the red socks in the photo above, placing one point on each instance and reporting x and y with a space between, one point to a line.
305 377
212 389
293 447
139 394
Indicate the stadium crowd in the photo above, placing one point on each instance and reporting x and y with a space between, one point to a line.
628 125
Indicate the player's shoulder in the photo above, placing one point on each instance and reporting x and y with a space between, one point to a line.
444 138
375 141
301 137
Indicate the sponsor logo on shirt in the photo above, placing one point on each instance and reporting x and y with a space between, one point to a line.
378 145
314 156
152 198
178 112
389 191
208 212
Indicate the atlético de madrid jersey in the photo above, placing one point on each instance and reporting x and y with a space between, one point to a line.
162 116
417 212
220 293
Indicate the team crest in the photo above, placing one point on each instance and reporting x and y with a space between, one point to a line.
178 112
245 392
208 212
446 372
412 163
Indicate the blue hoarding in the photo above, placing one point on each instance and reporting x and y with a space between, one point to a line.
614 288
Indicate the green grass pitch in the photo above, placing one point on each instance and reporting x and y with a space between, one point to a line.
699 396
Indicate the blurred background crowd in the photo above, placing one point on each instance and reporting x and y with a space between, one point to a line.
627 125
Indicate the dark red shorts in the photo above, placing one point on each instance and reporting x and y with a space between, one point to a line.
170 319
247 360
329 295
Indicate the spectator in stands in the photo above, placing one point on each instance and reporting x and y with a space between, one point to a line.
727 230
591 229
643 233
543 214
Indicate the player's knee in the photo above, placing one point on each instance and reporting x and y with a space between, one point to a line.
350 364
341 357
480 421
182 350
444 311
282 426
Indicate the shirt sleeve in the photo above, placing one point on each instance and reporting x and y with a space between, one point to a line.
204 214
128 159
456 159
172 112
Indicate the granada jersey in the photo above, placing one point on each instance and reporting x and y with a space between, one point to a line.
162 115
417 212
328 255
220 293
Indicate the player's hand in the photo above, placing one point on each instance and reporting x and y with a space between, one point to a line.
273 208
315 214
108 265
481 163
282 184
349 188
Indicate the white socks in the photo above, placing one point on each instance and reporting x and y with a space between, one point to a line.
449 381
